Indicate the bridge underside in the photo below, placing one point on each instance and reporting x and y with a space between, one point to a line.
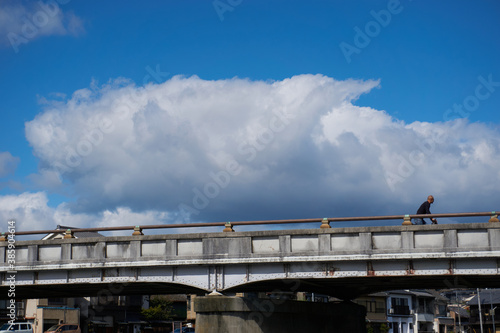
344 288
350 288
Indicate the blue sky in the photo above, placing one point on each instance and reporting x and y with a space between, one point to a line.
269 109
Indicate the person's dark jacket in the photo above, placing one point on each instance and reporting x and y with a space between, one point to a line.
424 209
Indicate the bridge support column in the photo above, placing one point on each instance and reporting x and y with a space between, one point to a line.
223 314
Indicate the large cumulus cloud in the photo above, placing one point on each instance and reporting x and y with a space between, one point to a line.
240 150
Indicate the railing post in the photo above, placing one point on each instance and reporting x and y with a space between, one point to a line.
228 227
494 217
407 220
325 224
69 234
137 231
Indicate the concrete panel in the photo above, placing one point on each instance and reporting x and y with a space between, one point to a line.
33 253
472 238
100 251
21 254
265 244
304 243
429 239
82 251
227 246
386 241
365 241
153 248
171 247
189 247
324 243
494 238
49 252
65 252
407 240
118 250
240 246
450 240
345 242
285 244
135 249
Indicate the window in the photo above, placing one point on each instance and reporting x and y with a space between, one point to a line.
400 306
369 305
380 307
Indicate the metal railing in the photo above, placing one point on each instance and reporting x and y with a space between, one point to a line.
325 223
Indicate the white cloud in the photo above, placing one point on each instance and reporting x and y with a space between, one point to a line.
31 211
8 164
21 23
241 150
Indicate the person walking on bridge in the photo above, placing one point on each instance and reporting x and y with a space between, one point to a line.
425 209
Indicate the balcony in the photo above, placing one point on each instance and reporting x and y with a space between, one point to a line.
400 310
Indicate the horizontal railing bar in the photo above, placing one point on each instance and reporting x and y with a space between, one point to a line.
221 224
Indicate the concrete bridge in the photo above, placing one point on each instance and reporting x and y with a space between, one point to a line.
343 262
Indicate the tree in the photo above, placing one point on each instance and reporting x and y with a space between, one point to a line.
159 309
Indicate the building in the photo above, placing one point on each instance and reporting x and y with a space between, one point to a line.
484 308
376 311
407 311
400 311
45 313
430 310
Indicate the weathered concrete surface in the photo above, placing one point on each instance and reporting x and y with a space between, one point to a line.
221 314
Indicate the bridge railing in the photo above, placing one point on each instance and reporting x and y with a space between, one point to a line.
228 226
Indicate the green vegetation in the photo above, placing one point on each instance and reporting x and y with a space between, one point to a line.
159 309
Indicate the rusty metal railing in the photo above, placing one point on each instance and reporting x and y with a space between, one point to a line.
228 226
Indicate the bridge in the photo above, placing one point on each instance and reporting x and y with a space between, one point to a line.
342 262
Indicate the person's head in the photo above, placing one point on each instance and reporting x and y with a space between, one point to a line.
430 198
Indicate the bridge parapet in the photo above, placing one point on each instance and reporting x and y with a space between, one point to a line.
367 241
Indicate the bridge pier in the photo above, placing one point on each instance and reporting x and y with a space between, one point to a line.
223 314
